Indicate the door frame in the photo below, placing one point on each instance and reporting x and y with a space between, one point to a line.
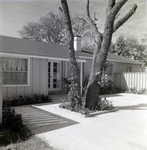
51 70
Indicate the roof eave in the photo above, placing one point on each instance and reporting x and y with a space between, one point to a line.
36 56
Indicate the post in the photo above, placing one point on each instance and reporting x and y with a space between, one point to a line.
1 90
81 77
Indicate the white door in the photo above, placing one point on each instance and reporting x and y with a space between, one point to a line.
54 75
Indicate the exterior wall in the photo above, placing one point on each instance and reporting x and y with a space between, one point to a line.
87 68
117 67
121 67
38 81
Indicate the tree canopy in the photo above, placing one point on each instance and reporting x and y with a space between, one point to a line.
130 47
51 29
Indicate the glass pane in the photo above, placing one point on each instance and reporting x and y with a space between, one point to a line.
49 74
55 64
14 71
56 75
12 78
49 64
54 86
55 69
48 85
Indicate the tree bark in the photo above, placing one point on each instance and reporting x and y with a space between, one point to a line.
103 42
74 70
1 98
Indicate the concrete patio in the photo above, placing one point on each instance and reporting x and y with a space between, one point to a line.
125 129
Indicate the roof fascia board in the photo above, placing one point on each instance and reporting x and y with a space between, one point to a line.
85 57
2 54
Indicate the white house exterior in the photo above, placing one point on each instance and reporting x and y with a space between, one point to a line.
31 67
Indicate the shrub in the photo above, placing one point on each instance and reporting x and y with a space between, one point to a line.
67 82
105 105
12 127
134 91
107 88
110 89
25 100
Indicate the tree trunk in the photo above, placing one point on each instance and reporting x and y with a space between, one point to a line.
103 42
1 98
74 69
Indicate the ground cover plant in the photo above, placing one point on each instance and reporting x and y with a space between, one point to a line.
34 143
12 128
135 91
26 100
102 106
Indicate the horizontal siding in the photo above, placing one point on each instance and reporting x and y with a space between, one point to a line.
131 80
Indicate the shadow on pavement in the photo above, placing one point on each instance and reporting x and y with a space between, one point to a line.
40 121
133 107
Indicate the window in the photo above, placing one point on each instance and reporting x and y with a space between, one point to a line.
15 71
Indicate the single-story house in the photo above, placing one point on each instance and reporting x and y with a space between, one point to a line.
31 67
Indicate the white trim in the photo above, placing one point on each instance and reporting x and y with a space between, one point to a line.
35 56
85 57
81 77
28 74
51 68
66 69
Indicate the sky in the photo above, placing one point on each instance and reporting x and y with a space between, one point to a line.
14 14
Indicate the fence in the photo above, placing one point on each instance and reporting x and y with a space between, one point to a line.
131 80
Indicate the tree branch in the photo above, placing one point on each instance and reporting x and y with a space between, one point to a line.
65 12
90 20
111 3
116 8
121 21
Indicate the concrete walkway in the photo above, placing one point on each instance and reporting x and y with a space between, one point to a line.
125 129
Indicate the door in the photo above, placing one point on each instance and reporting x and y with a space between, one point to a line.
54 75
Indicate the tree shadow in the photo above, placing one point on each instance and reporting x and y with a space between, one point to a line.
111 95
133 107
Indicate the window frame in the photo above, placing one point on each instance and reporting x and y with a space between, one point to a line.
28 73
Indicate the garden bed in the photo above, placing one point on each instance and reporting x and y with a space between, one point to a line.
95 113
86 112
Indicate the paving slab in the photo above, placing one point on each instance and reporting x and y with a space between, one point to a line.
125 129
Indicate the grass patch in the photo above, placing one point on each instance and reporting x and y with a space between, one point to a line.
34 143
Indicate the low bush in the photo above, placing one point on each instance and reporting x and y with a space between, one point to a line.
110 89
12 128
103 104
107 88
134 91
26 100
